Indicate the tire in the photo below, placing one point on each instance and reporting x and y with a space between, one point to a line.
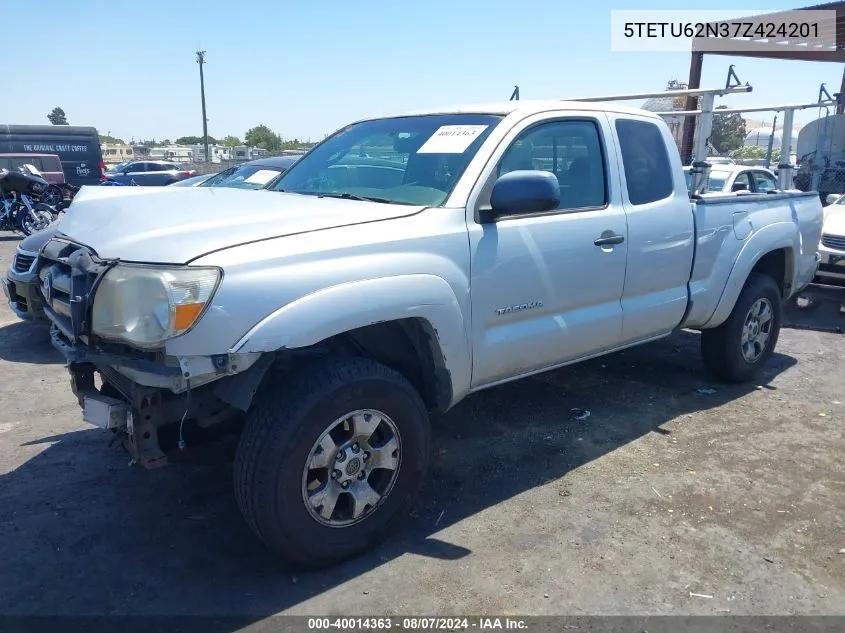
46 208
282 430
722 347
29 226
52 196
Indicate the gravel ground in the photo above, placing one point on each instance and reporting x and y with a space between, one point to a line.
675 496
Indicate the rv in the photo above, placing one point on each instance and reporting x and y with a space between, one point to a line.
173 153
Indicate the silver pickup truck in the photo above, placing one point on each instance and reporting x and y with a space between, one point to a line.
402 264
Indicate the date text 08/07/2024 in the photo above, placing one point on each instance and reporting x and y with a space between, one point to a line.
728 30
416 624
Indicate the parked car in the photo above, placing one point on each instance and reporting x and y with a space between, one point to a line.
194 181
832 245
256 174
48 165
726 178
78 148
332 316
22 283
148 173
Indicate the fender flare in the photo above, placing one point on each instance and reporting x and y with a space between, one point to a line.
773 237
348 306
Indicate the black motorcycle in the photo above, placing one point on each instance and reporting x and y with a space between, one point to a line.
59 196
18 210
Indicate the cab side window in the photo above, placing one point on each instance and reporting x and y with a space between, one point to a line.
572 151
648 173
765 182
742 182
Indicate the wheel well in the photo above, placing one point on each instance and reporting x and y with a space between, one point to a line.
777 265
409 346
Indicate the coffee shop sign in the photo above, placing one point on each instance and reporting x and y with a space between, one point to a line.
52 148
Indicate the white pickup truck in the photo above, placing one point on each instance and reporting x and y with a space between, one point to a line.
402 264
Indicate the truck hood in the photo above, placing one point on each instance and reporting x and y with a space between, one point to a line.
176 225
834 221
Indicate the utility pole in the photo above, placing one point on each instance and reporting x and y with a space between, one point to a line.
201 61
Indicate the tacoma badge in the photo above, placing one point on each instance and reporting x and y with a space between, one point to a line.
522 306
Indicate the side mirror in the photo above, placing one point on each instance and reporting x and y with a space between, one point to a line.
739 186
522 191
832 198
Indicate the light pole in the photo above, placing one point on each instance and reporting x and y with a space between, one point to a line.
201 61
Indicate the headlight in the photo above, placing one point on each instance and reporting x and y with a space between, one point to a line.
146 305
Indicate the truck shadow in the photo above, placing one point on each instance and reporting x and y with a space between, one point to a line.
85 534
28 342
818 307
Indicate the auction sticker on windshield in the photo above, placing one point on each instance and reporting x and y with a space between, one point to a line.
262 176
451 139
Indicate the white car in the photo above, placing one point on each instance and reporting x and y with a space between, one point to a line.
832 246
737 178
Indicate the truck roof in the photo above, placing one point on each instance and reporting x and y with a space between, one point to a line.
525 107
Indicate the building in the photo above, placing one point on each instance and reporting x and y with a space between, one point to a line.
759 137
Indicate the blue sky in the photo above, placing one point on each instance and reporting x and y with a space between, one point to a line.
306 68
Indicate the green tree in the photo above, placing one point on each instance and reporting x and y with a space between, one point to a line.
57 117
231 141
756 152
195 140
728 132
263 137
105 138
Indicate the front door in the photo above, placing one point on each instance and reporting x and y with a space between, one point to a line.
136 174
547 288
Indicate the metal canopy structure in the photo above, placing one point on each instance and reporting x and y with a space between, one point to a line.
791 50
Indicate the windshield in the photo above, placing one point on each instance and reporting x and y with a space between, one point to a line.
716 184
119 166
405 160
841 200
218 177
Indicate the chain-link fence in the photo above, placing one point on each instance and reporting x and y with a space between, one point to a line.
822 172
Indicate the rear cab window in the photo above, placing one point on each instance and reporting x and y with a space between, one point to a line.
648 172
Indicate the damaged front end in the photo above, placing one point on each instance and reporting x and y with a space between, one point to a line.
136 393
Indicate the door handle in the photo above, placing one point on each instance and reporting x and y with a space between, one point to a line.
609 239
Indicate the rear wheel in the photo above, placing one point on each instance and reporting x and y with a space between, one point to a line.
331 462
737 350
53 196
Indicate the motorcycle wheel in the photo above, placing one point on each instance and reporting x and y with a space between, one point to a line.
52 196
48 208
42 220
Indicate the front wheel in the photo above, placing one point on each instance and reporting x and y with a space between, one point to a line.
737 350
41 221
331 461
